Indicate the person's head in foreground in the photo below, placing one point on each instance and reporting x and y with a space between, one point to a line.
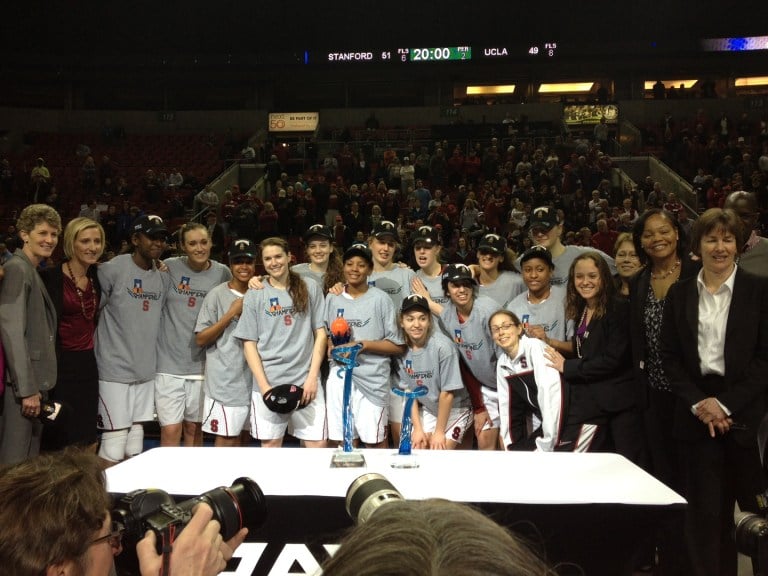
432 537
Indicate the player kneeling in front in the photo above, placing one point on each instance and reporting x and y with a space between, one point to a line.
433 361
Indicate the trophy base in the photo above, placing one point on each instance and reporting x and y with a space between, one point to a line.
404 461
354 459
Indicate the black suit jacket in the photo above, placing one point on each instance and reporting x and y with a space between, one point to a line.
605 369
743 388
639 285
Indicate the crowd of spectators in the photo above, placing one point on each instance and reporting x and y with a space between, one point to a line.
716 155
467 191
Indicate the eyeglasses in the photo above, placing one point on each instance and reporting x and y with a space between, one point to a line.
115 536
497 329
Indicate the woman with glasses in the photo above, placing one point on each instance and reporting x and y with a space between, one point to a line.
528 387
627 262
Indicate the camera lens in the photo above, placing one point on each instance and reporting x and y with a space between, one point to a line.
750 529
235 506
367 494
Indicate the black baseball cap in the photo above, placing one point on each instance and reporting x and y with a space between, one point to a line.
457 273
427 235
318 230
149 224
360 250
540 252
242 248
492 243
283 399
544 217
414 301
384 228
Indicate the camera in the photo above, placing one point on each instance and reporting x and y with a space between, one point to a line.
241 504
368 493
751 535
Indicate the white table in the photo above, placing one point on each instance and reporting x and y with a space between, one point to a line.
461 475
587 508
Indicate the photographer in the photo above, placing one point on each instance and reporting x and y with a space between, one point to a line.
55 521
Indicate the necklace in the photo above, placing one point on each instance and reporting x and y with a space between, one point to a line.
81 295
667 273
581 332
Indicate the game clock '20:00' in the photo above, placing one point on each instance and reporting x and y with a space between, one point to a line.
440 54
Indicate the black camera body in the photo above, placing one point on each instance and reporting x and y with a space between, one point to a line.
241 504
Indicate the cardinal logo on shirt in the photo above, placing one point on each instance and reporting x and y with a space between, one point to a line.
523 362
274 305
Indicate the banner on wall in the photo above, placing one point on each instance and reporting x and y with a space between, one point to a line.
293 121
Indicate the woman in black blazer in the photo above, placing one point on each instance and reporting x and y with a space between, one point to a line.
660 245
600 376
714 346
75 292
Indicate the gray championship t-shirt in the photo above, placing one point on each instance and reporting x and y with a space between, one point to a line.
434 285
227 377
549 314
473 338
126 335
284 338
177 352
506 286
435 366
396 283
304 270
370 316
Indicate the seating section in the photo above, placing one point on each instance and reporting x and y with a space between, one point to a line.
198 157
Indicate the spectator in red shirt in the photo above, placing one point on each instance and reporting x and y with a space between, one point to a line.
605 238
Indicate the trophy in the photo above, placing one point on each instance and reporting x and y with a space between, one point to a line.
346 356
404 458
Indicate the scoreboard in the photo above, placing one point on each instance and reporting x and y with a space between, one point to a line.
433 54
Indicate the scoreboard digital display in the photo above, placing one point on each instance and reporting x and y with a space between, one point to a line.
434 54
